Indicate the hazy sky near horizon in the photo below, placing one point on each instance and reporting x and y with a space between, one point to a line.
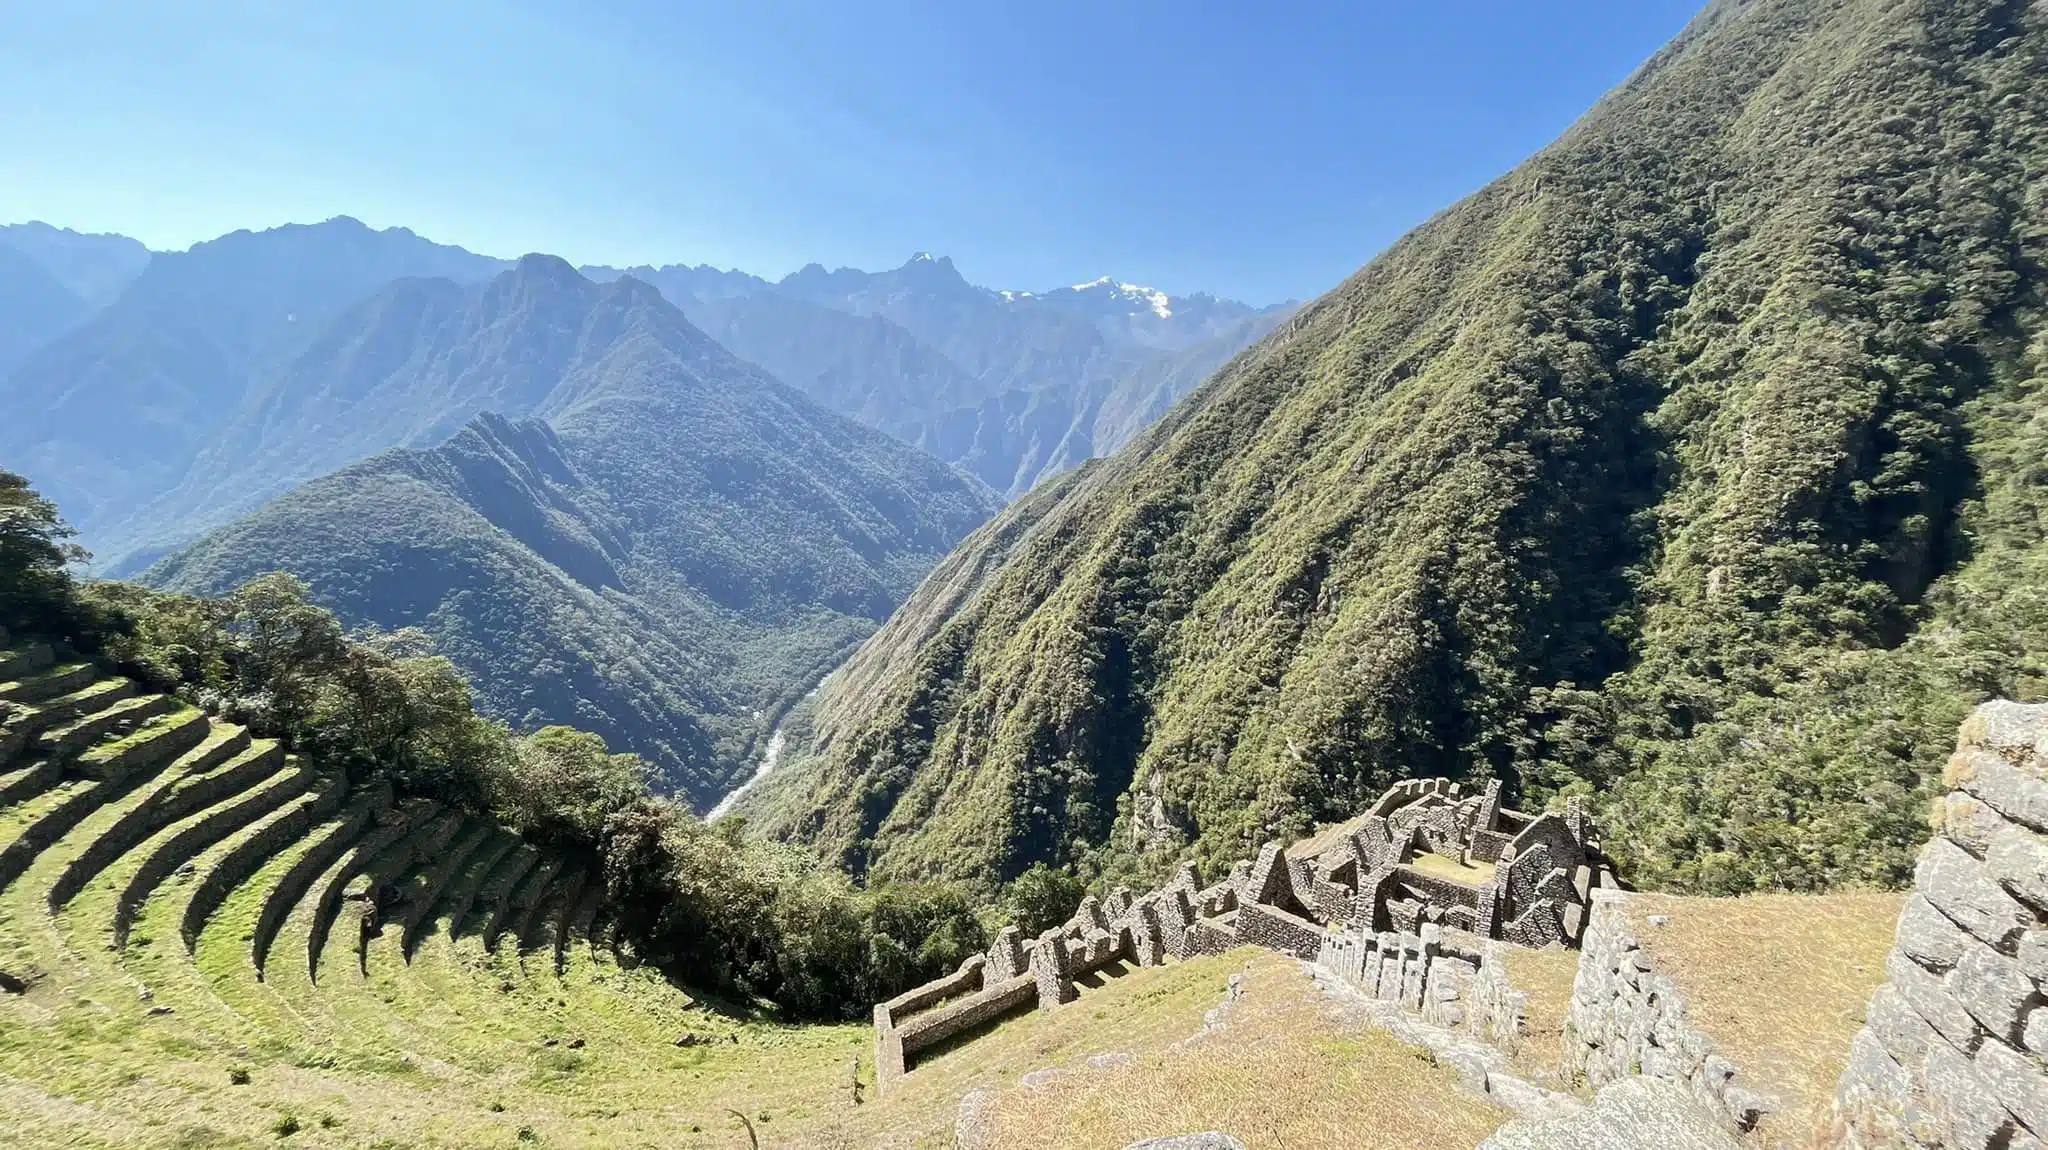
1258 151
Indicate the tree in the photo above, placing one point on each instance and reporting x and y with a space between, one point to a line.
35 584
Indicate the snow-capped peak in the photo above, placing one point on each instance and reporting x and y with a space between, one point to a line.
921 258
1137 293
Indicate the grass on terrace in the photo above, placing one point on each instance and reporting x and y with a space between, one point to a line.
1780 982
1289 1068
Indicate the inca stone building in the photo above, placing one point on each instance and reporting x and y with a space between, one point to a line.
1425 866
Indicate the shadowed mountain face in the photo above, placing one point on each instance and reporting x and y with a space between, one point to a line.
1691 466
1012 387
671 551
34 308
94 268
116 411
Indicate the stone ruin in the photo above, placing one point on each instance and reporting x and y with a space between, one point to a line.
1952 1047
1425 865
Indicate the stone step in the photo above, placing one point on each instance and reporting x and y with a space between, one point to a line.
117 718
48 683
199 832
28 779
256 845
1629 1114
155 742
65 709
469 887
513 909
332 841
424 895
496 891
391 868
193 785
398 836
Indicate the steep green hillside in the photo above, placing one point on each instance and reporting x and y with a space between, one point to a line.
681 550
1694 465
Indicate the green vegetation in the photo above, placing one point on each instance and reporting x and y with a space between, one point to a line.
755 923
1693 466
678 553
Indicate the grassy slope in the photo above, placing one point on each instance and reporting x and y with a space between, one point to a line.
1688 466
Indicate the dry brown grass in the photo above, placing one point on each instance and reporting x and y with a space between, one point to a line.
1289 1068
1779 981
1546 975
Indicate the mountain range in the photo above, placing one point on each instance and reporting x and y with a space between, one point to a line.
673 547
1691 467
438 439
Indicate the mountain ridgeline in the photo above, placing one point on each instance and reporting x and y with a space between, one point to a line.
1012 387
667 551
1693 466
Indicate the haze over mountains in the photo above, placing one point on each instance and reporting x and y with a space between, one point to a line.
604 516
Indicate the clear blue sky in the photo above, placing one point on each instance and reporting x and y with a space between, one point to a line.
1257 150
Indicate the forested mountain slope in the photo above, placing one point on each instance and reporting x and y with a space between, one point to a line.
1694 465
406 367
681 549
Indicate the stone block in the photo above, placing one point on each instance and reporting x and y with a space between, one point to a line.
1960 887
1878 1101
1968 822
2017 1081
1962 1102
2018 859
1898 1028
2007 726
2034 1031
2018 793
1993 989
2033 955
1930 999
1929 936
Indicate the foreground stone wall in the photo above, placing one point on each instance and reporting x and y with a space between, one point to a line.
1950 1054
1627 1019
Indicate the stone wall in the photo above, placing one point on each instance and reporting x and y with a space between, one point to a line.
1421 972
1628 1019
1951 1051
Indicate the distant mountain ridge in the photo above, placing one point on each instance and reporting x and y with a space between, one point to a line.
117 410
674 549
96 268
1012 386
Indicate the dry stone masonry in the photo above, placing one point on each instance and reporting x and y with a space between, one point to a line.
1628 1020
1951 1050
1374 900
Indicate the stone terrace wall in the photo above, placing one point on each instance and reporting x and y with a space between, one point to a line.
1627 1019
1950 1054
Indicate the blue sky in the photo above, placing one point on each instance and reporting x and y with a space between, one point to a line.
1263 151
